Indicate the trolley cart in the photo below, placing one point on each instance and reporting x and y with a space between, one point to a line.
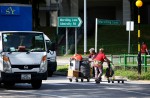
85 70
118 80
110 75
73 69
79 70
73 74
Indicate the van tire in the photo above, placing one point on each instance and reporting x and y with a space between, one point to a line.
50 74
36 84
9 84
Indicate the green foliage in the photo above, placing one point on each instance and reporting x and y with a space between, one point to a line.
132 73
62 68
114 39
49 31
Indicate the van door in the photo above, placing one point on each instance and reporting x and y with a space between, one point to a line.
1 58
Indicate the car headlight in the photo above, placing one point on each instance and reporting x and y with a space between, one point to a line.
43 65
7 65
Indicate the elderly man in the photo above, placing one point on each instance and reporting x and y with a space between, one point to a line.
98 64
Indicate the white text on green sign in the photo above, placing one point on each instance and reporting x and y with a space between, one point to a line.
69 21
108 22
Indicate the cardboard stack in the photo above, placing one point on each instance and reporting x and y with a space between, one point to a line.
73 70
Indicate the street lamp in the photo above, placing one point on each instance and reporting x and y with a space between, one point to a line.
139 4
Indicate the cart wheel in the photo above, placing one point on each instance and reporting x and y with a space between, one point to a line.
88 80
122 81
76 80
97 81
81 80
70 79
108 81
118 81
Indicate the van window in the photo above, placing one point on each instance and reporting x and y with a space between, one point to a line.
48 44
22 42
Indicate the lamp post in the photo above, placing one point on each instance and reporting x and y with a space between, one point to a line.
139 4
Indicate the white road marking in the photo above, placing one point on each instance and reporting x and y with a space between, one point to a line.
125 90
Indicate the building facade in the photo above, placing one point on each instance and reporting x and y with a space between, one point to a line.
123 10
47 11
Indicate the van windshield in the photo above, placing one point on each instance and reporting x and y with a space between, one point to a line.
23 42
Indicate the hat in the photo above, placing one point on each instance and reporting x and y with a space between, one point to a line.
91 49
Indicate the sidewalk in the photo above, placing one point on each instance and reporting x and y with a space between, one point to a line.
61 60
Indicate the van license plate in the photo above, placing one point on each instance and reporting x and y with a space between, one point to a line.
25 76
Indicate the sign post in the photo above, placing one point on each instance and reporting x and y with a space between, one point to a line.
70 22
96 35
129 27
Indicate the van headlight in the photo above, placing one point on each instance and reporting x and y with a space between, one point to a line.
7 65
43 65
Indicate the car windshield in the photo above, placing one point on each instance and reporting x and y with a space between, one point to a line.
23 42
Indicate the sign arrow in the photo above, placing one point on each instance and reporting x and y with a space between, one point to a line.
69 22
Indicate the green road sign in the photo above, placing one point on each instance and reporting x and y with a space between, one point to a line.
108 22
69 21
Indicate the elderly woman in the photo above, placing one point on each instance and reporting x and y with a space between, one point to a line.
91 56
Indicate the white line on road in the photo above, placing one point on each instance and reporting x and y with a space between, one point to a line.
122 89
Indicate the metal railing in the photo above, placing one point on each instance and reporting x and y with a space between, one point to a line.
131 60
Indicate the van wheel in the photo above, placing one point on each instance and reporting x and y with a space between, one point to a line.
50 74
9 84
36 84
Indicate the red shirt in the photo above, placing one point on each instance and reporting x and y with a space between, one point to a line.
143 48
100 57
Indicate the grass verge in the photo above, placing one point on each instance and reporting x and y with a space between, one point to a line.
62 68
131 74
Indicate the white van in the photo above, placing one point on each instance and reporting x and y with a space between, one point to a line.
23 58
51 56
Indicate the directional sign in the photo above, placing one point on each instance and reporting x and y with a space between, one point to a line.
69 21
108 22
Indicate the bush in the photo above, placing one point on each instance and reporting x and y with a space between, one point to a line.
62 68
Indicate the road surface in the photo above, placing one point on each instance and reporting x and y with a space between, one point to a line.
61 87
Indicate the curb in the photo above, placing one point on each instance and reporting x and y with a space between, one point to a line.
60 73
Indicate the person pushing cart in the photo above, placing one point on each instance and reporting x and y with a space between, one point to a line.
98 64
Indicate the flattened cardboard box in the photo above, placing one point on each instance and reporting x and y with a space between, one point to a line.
73 73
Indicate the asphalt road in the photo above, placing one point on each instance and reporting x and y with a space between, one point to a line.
61 87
